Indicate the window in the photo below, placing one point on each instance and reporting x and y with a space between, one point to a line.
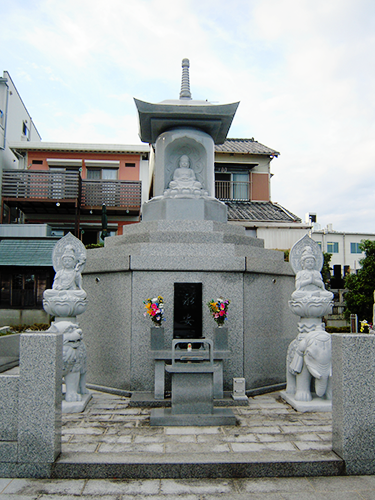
129 164
97 174
232 186
332 247
25 130
354 248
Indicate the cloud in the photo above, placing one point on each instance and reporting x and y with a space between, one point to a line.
302 70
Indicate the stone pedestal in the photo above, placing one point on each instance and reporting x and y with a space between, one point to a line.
184 209
221 338
157 338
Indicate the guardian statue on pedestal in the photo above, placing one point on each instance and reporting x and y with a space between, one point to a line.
65 301
309 355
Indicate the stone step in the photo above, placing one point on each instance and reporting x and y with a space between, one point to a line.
203 465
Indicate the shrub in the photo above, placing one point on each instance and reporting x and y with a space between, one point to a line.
36 327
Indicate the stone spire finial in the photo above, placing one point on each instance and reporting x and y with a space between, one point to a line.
185 82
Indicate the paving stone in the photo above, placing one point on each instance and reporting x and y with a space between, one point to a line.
38 486
313 428
73 497
138 448
313 445
246 447
79 447
234 438
84 430
300 436
267 485
35 496
243 496
270 429
326 436
342 483
337 495
196 448
116 487
148 439
198 486
193 430
186 438
123 428
3 483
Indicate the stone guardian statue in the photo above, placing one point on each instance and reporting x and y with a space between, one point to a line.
309 355
65 301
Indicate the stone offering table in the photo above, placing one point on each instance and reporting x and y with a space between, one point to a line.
165 356
192 389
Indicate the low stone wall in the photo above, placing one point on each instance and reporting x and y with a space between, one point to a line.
353 401
30 408
23 316
9 351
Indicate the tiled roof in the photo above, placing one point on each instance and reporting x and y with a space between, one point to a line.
245 146
259 212
26 252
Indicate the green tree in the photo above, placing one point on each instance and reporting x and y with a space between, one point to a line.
326 269
359 298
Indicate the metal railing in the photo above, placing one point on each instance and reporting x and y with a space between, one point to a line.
40 185
121 194
232 190
46 185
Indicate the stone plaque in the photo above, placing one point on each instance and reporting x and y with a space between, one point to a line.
187 311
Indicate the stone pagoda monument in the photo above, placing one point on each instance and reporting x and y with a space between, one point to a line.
184 132
185 252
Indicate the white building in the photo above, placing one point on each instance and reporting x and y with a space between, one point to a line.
343 246
16 123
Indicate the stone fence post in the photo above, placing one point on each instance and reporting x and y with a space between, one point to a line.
39 416
353 401
30 408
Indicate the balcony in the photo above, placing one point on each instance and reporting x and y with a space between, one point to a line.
232 190
46 192
115 194
39 191
40 185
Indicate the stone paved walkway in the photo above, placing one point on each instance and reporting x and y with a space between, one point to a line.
267 423
109 425
316 488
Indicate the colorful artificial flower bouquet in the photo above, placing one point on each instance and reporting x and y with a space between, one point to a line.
155 309
365 327
219 310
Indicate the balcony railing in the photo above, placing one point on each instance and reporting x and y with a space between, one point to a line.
232 190
40 185
120 194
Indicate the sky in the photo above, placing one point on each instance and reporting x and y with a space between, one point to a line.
303 71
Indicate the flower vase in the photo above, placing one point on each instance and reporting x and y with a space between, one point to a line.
221 338
157 338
